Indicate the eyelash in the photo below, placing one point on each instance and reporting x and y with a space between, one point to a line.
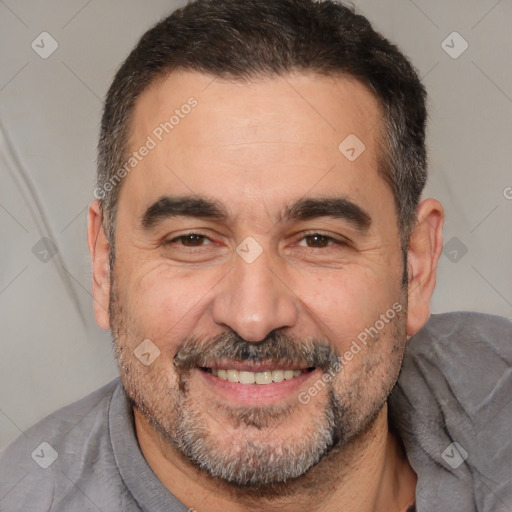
181 237
331 241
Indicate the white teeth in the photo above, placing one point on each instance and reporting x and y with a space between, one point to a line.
278 375
260 378
264 378
246 377
232 375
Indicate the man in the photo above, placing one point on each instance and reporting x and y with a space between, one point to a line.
262 257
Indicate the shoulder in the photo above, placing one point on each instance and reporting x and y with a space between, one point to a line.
452 407
462 356
48 458
458 363
464 330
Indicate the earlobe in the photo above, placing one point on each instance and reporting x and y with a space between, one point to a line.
99 250
425 246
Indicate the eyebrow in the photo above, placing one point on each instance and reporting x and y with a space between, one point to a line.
304 209
335 207
183 206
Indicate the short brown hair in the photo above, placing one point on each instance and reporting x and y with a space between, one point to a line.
241 39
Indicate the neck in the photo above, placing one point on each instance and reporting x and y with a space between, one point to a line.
367 475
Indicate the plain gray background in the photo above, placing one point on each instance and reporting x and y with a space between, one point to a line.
52 352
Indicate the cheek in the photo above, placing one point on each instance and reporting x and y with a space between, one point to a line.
164 304
347 304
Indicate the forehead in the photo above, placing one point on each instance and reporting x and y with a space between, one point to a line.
260 139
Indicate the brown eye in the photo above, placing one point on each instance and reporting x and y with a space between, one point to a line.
193 247
317 240
192 240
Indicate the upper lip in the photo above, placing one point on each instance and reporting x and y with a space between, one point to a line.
255 367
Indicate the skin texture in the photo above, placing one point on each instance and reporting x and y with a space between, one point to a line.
255 148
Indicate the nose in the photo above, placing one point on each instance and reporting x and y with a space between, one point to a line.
253 300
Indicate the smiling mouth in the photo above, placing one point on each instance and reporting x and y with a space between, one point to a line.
257 378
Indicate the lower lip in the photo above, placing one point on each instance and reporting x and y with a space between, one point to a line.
257 394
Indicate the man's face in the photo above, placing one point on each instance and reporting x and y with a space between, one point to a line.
249 246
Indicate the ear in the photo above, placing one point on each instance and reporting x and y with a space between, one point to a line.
425 246
99 250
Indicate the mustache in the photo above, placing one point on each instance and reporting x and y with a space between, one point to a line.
277 347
